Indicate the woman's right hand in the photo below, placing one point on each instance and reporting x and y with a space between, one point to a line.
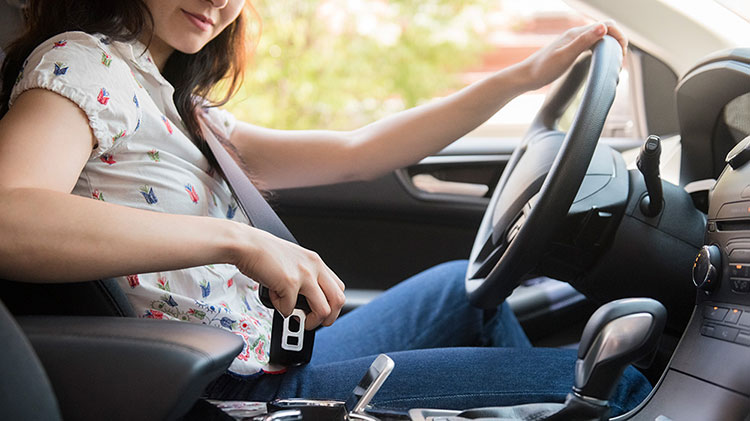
288 270
552 61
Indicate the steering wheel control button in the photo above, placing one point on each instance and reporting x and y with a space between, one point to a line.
740 286
733 316
738 271
715 313
745 319
734 210
743 339
516 228
708 330
706 268
740 154
726 333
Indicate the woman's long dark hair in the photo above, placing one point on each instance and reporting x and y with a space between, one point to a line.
222 59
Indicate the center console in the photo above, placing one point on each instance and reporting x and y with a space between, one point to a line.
709 375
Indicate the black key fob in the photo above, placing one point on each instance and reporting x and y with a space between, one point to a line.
291 344
313 410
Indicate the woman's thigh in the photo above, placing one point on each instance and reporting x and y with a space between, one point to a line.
450 378
426 325
428 310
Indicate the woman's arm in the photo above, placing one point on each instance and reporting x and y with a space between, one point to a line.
282 159
50 235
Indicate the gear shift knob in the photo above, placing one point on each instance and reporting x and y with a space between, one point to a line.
619 333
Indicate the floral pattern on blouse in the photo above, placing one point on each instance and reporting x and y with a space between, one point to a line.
143 159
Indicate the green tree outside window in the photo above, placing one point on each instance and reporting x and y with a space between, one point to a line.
340 64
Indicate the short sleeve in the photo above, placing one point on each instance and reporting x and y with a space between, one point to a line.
82 68
221 118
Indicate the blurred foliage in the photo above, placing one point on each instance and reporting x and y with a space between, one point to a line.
340 64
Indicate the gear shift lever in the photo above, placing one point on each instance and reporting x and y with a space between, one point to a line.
619 333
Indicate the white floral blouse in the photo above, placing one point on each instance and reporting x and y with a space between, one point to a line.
144 160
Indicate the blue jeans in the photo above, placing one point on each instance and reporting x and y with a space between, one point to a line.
447 354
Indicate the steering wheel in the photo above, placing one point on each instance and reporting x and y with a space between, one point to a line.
541 179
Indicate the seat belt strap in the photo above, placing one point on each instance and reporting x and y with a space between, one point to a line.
288 346
256 208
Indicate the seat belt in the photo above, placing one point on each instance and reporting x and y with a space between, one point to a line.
257 210
291 344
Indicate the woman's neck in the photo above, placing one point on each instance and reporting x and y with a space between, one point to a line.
159 50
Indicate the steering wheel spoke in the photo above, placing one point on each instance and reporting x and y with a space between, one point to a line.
487 258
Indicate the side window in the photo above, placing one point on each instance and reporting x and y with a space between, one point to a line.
340 64
534 24
621 121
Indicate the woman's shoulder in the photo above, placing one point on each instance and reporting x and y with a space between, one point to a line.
90 71
73 60
72 43
220 120
89 54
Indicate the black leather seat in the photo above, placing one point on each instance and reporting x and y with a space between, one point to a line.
93 298
113 368
25 389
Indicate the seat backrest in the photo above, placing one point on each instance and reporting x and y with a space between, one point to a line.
11 21
25 390
95 298
92 298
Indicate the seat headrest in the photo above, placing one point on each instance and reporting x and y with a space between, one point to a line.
11 21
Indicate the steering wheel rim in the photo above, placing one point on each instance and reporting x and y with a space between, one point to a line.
506 249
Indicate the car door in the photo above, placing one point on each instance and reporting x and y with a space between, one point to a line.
374 234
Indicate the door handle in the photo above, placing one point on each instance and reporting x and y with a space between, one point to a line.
429 184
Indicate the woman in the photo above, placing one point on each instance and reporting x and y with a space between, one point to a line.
112 96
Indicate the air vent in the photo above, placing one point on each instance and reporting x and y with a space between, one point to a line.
738 225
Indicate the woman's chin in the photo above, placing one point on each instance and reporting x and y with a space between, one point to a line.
191 49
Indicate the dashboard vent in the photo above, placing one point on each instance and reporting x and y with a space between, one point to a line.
738 225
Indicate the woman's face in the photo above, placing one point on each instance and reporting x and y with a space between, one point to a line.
188 25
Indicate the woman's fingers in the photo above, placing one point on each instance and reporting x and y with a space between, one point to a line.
574 33
339 282
319 307
289 270
614 31
584 37
334 291
325 297
283 301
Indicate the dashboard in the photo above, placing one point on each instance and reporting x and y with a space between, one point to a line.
709 374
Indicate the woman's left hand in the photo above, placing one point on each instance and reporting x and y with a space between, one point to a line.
550 62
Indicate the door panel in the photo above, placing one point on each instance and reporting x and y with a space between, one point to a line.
374 234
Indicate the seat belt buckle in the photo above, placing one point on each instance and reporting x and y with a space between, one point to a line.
291 344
